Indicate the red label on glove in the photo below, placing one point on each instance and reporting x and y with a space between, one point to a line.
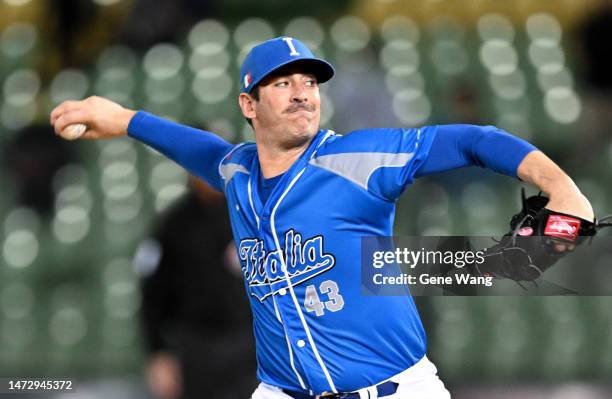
563 227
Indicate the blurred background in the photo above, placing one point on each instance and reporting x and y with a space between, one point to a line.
85 225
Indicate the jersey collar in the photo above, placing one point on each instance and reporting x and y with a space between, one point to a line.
263 210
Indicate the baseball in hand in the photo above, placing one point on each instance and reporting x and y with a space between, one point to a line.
73 132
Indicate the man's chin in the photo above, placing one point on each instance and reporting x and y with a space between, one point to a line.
306 131
304 126
300 135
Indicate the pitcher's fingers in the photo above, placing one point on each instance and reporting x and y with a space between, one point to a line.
64 107
69 118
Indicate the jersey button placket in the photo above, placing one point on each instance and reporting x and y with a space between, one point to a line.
303 354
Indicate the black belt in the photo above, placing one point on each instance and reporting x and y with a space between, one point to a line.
383 389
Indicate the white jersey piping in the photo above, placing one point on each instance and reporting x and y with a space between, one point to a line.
289 285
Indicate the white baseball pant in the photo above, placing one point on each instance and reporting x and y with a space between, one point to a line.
417 382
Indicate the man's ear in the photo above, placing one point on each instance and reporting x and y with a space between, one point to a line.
246 102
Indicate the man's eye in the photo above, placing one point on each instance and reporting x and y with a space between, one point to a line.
311 82
281 84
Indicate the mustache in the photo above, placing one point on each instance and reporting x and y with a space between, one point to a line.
298 107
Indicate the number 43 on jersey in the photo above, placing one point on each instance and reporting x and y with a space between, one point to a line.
334 301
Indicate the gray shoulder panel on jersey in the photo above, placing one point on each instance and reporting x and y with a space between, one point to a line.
228 171
359 166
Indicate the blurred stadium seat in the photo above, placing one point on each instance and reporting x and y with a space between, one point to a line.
68 300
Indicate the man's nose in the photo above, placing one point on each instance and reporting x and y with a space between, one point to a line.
299 93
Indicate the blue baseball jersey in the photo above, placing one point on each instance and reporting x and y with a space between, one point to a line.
315 331
299 251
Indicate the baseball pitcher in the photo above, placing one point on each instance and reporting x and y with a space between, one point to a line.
300 198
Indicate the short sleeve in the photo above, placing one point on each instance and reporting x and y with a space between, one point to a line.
405 151
381 161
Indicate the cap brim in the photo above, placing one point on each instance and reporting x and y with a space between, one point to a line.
322 70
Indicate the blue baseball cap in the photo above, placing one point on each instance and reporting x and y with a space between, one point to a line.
273 54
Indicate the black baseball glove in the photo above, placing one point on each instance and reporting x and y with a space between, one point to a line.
538 238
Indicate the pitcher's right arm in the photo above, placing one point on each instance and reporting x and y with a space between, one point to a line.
198 151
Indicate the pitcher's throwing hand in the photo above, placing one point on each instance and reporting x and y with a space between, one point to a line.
102 117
